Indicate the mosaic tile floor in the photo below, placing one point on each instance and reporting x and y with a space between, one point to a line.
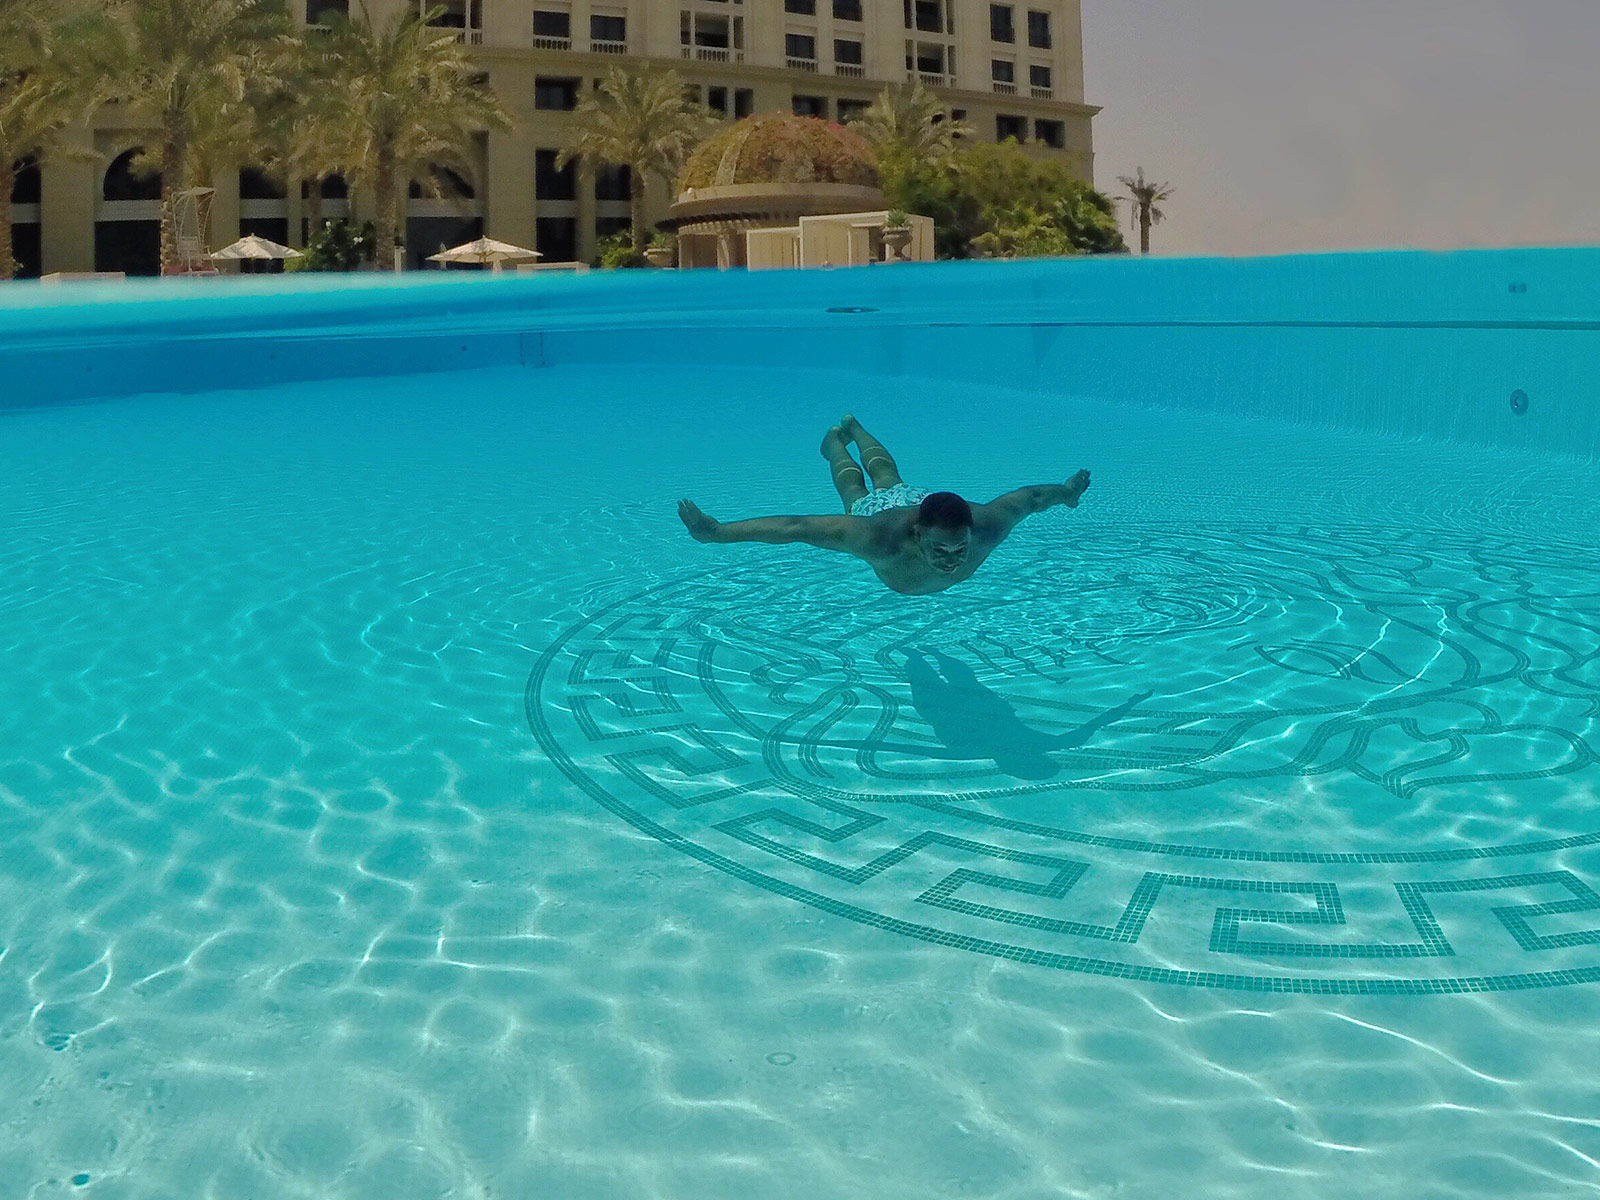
397 803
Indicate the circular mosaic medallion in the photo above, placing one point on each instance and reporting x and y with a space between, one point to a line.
1272 759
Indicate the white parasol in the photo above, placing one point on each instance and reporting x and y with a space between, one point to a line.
254 247
484 251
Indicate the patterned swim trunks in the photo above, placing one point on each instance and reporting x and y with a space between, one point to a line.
901 495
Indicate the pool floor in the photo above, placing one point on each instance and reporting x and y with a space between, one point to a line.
396 802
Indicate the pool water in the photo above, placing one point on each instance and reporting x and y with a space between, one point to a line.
397 803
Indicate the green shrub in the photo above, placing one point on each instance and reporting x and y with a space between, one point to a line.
616 252
338 246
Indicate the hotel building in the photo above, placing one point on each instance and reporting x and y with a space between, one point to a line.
1009 70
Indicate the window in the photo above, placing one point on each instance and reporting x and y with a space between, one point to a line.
847 10
847 53
959 117
613 182
1001 26
717 100
810 106
555 94
604 28
552 23
803 8
556 238
1039 77
1038 29
926 58
708 31
1006 126
450 14
1051 133
930 16
744 102
551 184
318 10
1003 71
851 110
605 227
800 45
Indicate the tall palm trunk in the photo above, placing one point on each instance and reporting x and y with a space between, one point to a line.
8 180
383 191
174 169
1144 229
313 207
636 206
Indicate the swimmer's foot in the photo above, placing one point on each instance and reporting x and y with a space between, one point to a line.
834 443
1076 486
847 426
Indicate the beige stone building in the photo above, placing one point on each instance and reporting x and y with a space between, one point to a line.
1010 70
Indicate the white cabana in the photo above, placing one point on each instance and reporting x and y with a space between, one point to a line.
256 249
485 252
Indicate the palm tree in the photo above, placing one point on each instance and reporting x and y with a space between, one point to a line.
42 88
909 126
311 140
180 65
643 120
410 97
1144 196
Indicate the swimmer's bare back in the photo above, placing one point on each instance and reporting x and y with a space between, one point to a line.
906 556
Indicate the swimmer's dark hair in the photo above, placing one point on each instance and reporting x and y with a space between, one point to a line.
945 510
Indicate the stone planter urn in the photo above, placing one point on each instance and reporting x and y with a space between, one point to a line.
896 241
659 256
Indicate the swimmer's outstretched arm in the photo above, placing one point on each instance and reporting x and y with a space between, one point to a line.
829 533
1024 502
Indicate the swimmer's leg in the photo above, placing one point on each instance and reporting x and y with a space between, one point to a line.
878 462
847 477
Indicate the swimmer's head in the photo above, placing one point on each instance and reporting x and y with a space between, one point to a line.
944 530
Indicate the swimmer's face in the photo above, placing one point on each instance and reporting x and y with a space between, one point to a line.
944 549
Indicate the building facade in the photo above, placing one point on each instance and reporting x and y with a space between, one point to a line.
1008 70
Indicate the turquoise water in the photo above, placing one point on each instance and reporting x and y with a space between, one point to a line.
397 803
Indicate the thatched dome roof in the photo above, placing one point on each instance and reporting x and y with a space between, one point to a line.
780 148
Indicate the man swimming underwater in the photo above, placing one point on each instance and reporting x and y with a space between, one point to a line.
916 542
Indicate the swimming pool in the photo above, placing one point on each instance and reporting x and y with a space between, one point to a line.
397 802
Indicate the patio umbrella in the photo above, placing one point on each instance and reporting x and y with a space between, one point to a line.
254 247
484 250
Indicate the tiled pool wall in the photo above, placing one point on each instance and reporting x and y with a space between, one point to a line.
1486 347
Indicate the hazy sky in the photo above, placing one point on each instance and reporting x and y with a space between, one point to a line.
1292 125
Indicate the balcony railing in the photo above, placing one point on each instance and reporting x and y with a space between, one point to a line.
472 37
802 64
551 43
933 79
713 54
849 71
606 46
1044 93
1004 89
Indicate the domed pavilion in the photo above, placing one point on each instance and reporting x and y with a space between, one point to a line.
767 172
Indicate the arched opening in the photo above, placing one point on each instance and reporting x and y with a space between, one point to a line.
26 192
256 184
29 185
446 184
122 184
127 228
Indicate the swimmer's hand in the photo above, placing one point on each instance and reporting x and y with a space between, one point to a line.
701 527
